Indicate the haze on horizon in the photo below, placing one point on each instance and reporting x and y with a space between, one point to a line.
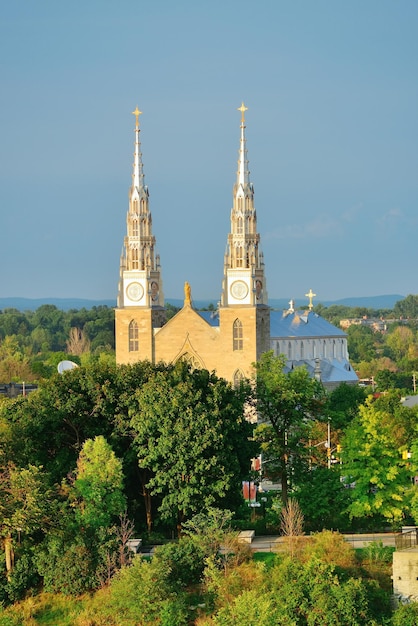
332 138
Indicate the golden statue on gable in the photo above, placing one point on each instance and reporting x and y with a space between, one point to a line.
187 294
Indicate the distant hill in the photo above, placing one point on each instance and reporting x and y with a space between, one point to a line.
65 304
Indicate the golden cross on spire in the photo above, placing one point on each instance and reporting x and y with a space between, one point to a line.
310 295
137 113
242 108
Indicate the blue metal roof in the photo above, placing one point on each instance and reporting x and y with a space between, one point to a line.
301 324
285 324
211 317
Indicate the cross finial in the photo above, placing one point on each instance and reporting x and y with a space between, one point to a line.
137 113
310 295
242 108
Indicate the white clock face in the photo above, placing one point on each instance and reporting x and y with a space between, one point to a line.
239 289
134 291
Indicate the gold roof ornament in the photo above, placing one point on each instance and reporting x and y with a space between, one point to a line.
310 295
242 108
137 113
187 294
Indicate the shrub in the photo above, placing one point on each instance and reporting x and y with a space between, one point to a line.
69 569
139 595
184 559
330 547
406 615
23 578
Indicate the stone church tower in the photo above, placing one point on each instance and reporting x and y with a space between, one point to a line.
228 342
244 306
140 306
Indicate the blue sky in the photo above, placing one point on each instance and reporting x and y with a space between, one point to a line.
332 136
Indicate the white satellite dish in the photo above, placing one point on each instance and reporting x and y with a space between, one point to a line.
63 366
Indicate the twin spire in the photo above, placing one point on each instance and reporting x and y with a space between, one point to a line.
141 266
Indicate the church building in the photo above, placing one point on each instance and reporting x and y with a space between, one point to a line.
231 339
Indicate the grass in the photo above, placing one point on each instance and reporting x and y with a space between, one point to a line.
265 557
44 610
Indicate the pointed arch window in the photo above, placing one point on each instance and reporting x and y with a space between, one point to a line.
238 378
134 258
135 228
277 348
324 354
133 336
302 350
191 360
289 350
240 226
237 334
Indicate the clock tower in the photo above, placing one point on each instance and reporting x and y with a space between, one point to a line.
244 313
140 306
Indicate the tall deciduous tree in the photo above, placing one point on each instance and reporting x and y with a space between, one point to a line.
372 461
24 505
289 403
191 435
99 484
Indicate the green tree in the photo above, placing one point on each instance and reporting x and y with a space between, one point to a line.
14 363
98 485
24 506
193 439
324 500
361 343
407 308
343 404
288 404
373 465
402 342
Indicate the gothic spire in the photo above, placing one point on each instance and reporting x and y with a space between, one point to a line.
138 172
243 174
140 281
243 261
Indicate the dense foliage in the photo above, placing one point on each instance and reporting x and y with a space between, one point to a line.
192 582
103 453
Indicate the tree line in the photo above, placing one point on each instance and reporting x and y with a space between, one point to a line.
33 342
104 453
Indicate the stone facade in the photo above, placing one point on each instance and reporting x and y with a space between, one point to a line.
244 327
231 341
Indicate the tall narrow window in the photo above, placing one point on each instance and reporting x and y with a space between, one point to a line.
289 350
133 337
324 354
302 350
238 377
238 343
134 258
135 230
240 226
239 256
